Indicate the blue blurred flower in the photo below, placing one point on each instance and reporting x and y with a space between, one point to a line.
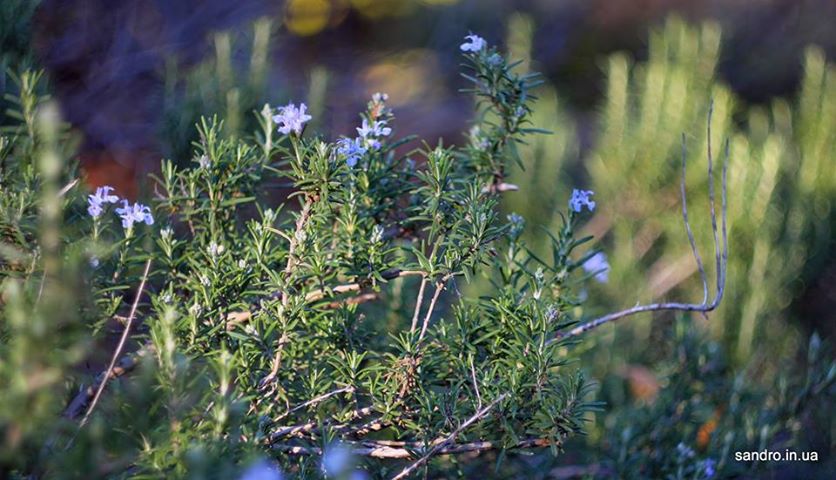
261 470
580 199
517 224
337 460
474 43
370 131
599 266
709 467
136 213
95 202
291 119
351 149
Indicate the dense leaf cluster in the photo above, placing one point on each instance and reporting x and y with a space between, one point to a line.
332 318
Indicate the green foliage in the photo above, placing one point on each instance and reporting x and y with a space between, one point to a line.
781 191
707 411
283 334
15 39
384 316
224 85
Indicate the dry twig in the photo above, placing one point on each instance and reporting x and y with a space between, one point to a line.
125 333
447 442
721 254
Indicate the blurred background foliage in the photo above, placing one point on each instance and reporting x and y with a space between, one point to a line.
625 83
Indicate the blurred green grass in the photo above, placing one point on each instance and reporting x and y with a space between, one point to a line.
781 185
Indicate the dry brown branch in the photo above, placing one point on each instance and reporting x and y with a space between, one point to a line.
406 450
721 254
236 318
439 287
118 352
418 303
355 300
448 442
277 360
500 188
312 426
314 401
126 364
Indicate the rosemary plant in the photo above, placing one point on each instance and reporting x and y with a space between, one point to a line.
327 332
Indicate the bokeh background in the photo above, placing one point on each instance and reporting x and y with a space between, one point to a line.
624 81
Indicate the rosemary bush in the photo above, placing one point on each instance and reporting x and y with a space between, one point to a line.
331 334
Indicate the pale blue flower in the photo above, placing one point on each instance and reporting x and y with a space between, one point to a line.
684 450
580 199
377 128
136 213
291 119
599 266
337 460
96 201
709 468
215 249
517 224
261 470
370 132
351 149
473 43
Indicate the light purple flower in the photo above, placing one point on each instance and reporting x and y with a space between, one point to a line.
377 128
136 213
474 43
96 201
517 224
580 199
291 119
370 132
709 467
599 266
261 470
337 460
351 149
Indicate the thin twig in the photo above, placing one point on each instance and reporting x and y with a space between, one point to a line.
500 188
475 383
126 364
235 318
418 303
66 188
688 230
721 254
717 254
277 360
125 333
450 439
301 222
438 288
314 401
311 426
355 300
406 450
